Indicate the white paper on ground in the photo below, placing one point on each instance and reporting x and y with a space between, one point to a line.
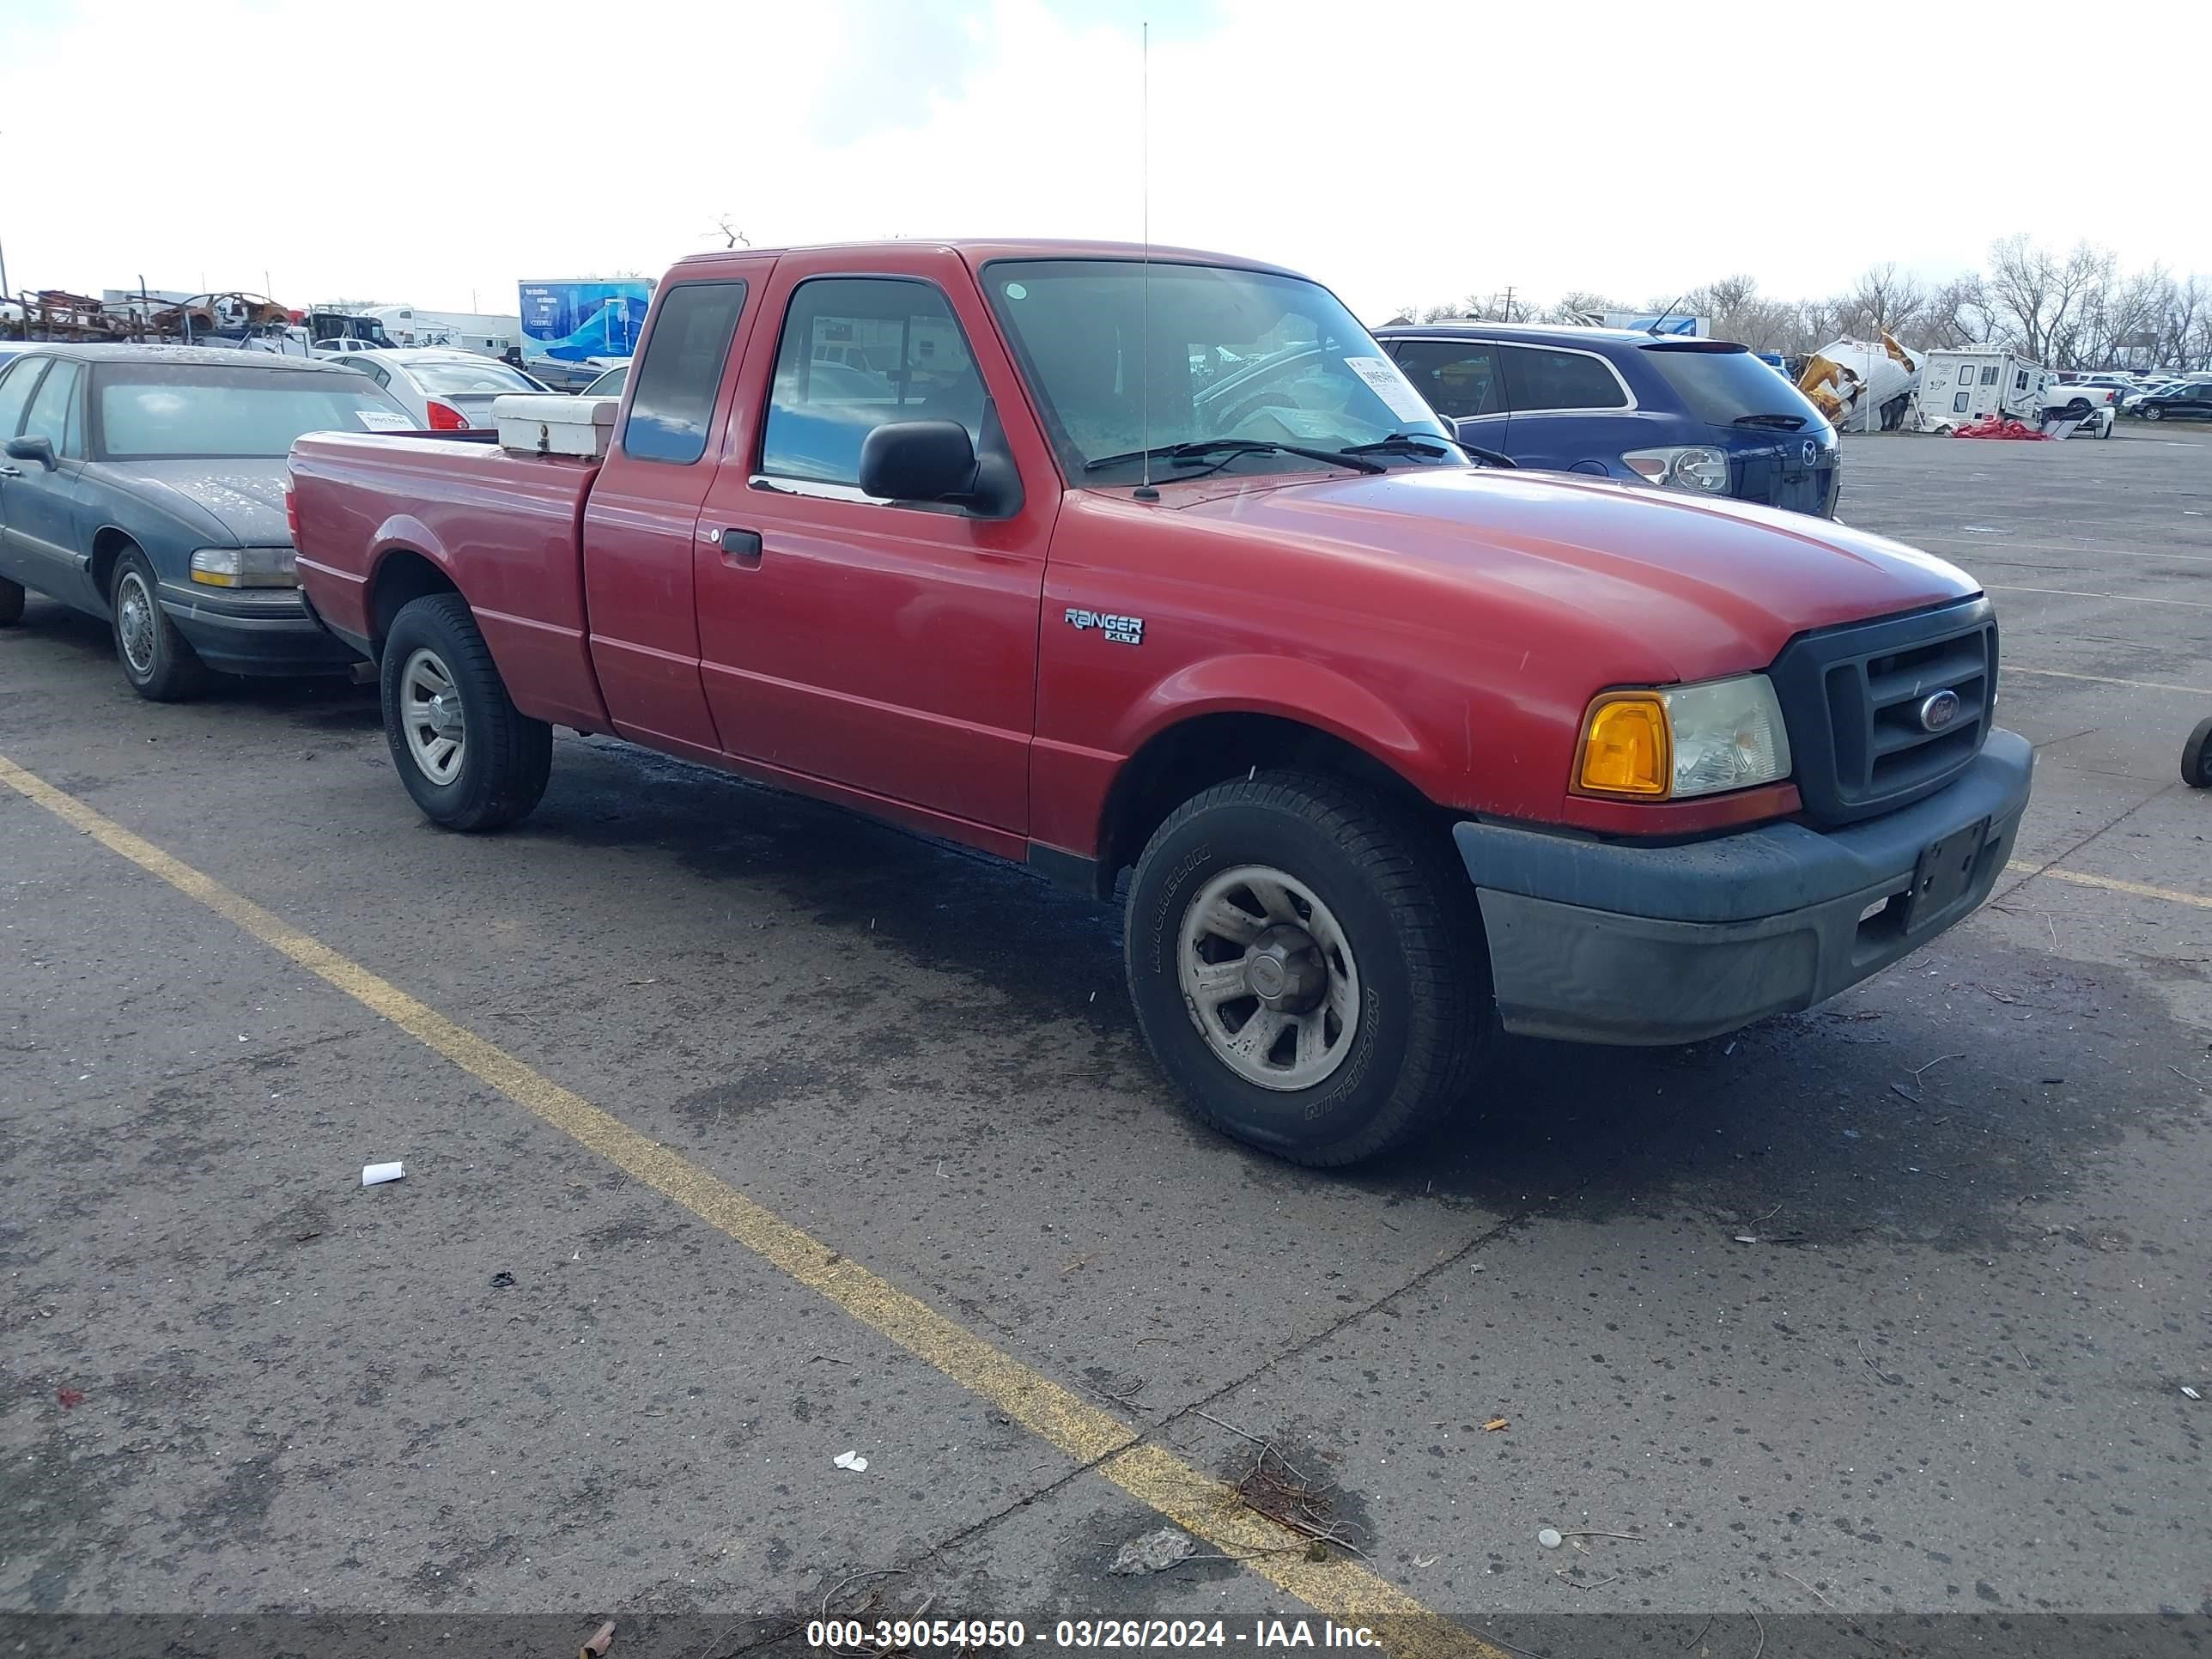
372 1175
852 1461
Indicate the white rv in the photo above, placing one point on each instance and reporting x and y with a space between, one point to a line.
487 335
1975 382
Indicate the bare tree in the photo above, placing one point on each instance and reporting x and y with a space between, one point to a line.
2040 300
729 232
1883 301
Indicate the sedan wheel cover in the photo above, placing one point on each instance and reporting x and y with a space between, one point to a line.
430 717
134 623
1268 977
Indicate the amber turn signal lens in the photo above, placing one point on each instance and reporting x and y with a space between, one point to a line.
1627 748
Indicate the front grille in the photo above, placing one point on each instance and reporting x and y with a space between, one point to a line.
1852 697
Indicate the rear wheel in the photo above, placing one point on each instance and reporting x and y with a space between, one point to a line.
471 759
1307 967
2197 756
11 602
2153 412
159 662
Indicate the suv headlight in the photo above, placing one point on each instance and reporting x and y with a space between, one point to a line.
1681 466
246 567
1684 740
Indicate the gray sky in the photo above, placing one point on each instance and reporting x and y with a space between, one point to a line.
1399 154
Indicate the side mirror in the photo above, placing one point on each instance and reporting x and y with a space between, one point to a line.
919 461
41 450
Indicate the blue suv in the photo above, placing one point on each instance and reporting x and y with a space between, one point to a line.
1700 416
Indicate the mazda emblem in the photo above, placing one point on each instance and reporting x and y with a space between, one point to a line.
1812 452
1938 711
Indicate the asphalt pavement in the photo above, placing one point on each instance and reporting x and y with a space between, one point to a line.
740 1134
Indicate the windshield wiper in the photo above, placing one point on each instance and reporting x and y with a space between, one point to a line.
1786 423
1228 449
1404 443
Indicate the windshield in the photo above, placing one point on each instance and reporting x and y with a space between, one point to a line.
1723 385
1227 354
461 377
177 411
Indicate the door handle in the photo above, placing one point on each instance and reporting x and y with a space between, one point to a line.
11 471
741 548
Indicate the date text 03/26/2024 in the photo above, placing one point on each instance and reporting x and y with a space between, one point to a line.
901 1635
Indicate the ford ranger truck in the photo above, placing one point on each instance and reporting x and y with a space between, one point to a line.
1107 563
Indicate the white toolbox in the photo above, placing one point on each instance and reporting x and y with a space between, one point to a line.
547 423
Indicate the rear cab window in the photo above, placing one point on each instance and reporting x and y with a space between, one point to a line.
1726 387
672 401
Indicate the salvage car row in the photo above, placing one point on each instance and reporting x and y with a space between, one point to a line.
1165 567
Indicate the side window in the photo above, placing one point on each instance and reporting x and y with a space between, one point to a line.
1537 378
1458 378
858 352
2020 382
681 371
1990 375
1958 404
15 386
51 410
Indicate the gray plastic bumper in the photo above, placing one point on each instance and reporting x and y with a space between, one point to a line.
1602 942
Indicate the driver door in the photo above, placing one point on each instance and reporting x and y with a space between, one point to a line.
41 505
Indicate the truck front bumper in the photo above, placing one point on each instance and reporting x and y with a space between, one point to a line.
1602 942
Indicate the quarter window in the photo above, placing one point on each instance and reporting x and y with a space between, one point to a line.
858 353
1459 379
681 371
1537 378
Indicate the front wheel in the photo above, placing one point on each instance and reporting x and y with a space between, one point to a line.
471 759
1308 969
2154 413
159 662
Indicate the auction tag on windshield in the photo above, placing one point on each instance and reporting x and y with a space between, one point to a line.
1381 375
385 420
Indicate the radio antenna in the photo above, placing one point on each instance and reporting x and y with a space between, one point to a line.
1145 492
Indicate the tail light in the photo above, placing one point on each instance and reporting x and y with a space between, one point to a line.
444 417
291 512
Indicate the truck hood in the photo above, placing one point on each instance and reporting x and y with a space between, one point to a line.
1717 588
241 498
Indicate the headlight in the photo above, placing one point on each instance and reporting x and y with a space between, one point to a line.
1684 740
1683 466
246 567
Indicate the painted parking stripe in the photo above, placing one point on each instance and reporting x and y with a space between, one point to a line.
2111 884
2105 679
2076 594
1338 1588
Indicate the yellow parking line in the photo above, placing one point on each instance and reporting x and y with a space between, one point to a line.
2105 680
1337 1587
2111 885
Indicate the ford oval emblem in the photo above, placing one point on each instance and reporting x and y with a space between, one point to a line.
1938 711
1812 452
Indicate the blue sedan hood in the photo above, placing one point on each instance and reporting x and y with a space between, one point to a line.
240 500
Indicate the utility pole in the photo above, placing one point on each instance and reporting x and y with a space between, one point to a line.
1509 302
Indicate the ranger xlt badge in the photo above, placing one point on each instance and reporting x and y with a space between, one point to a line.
1122 630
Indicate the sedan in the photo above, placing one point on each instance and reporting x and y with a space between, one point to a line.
2190 401
145 485
608 385
445 390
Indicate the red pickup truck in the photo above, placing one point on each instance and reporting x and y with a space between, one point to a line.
1110 561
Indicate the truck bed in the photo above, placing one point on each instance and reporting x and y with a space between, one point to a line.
361 498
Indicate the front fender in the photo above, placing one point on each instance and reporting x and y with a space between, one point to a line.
1285 687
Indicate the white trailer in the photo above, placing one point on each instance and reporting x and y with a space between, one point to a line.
1973 383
